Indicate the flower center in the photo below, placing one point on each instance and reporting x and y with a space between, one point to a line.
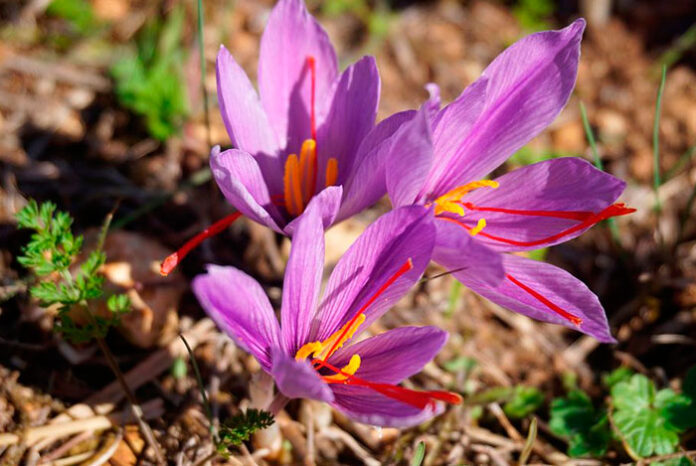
321 351
300 174
452 203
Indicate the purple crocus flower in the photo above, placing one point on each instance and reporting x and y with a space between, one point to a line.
438 160
312 353
310 136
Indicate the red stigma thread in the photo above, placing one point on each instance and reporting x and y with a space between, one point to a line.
570 215
415 398
312 63
408 265
174 259
575 320
587 219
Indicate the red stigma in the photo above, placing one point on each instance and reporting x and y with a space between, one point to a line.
408 265
575 320
587 219
174 259
415 398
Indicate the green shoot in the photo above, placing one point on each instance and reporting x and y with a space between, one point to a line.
419 454
683 44
50 255
656 141
533 15
613 227
201 52
77 13
149 81
239 428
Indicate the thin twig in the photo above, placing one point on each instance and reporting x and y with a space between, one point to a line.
135 407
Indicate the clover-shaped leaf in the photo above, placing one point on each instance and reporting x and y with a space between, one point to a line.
648 420
586 428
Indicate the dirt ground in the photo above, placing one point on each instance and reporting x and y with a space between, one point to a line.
64 137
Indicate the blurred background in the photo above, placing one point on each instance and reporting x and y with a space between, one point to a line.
102 109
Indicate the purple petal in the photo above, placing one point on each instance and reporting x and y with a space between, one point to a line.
557 292
369 407
239 306
525 88
328 202
383 248
351 116
365 185
297 379
410 159
450 126
433 103
291 36
560 185
245 119
241 181
302 279
394 355
455 250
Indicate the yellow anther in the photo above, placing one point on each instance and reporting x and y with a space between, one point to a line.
307 349
291 181
329 342
448 206
347 370
448 202
308 162
319 349
331 172
479 226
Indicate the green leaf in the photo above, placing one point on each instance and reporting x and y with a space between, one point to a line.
617 375
461 363
419 454
78 13
576 419
524 401
150 81
648 420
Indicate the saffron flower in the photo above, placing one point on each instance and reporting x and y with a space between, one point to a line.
309 134
313 353
440 157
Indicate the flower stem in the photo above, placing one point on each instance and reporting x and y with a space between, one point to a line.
278 404
135 407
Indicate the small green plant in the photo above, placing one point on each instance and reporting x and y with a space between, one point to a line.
650 420
534 15
51 255
645 420
149 80
239 428
523 402
586 427
77 13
